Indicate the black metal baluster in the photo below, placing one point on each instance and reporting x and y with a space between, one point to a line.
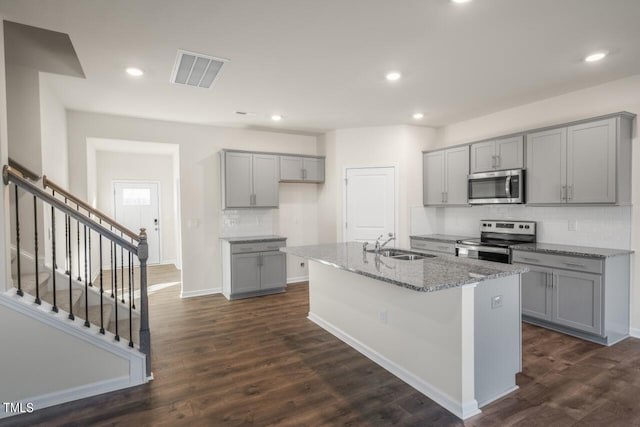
90 258
71 316
66 242
130 307
78 231
122 269
115 280
101 289
53 193
133 278
86 282
53 254
35 241
111 262
18 243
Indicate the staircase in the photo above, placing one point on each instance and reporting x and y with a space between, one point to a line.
97 292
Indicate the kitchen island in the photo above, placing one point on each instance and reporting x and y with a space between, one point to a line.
447 326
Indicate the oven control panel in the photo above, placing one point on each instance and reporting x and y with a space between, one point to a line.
508 227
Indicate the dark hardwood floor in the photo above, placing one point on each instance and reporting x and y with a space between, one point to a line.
260 362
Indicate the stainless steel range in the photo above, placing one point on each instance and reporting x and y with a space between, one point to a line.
496 239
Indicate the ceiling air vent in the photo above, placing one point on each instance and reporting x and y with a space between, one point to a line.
196 69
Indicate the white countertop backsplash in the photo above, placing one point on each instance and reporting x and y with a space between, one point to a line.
246 222
608 227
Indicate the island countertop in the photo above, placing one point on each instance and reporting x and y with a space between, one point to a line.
425 275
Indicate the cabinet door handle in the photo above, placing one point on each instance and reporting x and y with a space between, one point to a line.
570 192
563 192
493 161
531 259
443 248
497 161
442 197
571 264
273 247
446 197
304 174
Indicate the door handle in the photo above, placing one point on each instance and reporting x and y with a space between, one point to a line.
507 186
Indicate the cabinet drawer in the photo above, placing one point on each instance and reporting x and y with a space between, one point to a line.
242 248
434 246
588 265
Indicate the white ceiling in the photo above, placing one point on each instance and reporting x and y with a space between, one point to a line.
321 64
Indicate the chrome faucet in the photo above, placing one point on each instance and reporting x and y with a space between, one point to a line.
382 245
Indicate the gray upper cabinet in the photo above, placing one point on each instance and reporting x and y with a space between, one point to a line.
265 180
586 163
290 168
445 176
249 180
301 169
237 179
591 162
500 154
546 159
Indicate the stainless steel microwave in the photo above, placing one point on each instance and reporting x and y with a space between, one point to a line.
505 187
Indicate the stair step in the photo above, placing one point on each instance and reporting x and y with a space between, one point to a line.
28 282
123 329
62 299
94 314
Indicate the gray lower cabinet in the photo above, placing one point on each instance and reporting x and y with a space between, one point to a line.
253 269
592 304
249 180
537 292
301 169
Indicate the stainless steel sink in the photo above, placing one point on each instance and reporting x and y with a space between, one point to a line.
402 254
411 257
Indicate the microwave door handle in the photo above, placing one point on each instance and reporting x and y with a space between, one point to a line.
507 186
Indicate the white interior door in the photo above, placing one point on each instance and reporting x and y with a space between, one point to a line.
136 205
370 203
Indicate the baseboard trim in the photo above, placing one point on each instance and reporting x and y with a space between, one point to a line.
462 410
634 332
200 292
297 279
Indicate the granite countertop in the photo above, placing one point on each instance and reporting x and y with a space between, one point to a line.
253 239
425 275
441 237
584 251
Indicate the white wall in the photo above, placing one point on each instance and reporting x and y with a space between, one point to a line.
199 180
601 226
398 146
53 129
113 166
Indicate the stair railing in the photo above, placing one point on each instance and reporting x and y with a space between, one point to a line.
109 232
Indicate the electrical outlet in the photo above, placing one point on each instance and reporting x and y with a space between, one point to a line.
496 301
384 317
573 225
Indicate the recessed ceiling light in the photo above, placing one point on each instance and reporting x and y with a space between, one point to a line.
393 76
418 116
594 57
460 1
135 72
276 117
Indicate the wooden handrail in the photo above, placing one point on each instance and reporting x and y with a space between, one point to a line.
47 183
24 171
11 175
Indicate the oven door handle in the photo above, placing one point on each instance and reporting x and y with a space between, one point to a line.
507 186
484 249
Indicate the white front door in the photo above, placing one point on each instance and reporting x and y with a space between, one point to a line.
136 206
370 203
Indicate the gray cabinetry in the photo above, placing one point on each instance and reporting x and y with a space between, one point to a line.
249 180
537 292
577 299
581 296
546 160
445 176
253 269
591 162
301 169
585 163
500 154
